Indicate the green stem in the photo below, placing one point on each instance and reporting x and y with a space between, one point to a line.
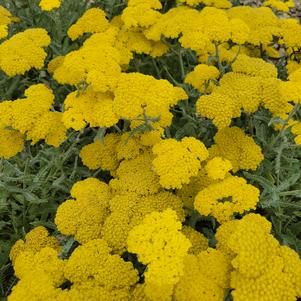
183 74
235 57
281 132
219 62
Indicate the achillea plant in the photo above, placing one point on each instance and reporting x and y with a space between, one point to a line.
149 150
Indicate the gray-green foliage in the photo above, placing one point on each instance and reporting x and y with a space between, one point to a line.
32 185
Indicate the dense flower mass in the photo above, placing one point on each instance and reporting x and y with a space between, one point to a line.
232 144
162 247
223 199
185 156
175 128
31 117
23 51
257 258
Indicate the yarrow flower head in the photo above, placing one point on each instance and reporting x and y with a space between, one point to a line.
24 51
92 21
49 5
83 216
200 77
185 156
217 168
6 18
223 199
34 241
234 145
257 257
206 275
32 118
160 245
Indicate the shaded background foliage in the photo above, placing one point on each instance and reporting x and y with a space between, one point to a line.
35 182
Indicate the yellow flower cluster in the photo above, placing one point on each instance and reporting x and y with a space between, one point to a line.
200 77
30 118
137 94
280 5
49 5
233 144
180 265
11 142
205 276
223 199
94 272
93 108
198 241
96 63
135 191
83 216
148 211
217 168
162 247
263 270
127 211
252 82
92 21
218 107
185 156
24 51
204 29
34 241
112 94
6 18
141 14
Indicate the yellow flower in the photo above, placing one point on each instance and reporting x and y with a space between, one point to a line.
201 75
55 63
254 67
162 247
92 21
296 130
262 22
93 262
129 209
24 51
184 156
223 199
198 241
6 19
218 107
244 90
84 216
34 241
101 154
31 116
49 5
257 258
206 275
136 175
239 31
96 63
139 16
217 168
233 144
137 94
280 5
95 109
214 3
11 142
